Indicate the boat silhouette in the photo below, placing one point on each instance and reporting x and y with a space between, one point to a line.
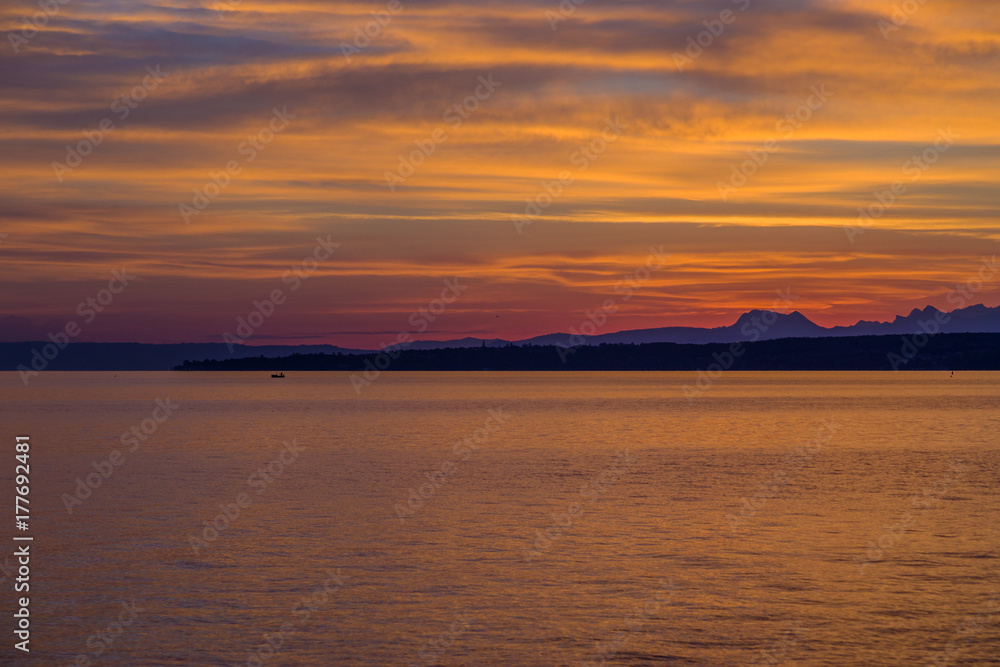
278 375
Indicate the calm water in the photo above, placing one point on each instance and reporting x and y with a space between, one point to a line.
567 519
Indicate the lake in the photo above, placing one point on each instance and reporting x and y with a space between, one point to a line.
508 518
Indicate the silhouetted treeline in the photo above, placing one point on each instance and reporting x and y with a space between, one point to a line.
912 352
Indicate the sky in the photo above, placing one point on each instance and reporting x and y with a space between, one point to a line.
354 159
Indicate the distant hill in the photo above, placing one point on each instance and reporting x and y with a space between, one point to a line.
762 325
871 353
141 356
973 319
753 326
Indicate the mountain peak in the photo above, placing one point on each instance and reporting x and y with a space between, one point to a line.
917 312
772 316
766 324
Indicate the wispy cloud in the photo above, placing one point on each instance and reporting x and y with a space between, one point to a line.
354 117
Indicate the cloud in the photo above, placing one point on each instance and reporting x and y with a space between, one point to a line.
356 120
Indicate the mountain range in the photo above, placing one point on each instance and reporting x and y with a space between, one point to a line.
752 326
761 325
947 352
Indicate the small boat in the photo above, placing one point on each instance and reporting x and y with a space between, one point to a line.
278 375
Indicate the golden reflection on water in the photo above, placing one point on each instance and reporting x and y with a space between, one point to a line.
516 518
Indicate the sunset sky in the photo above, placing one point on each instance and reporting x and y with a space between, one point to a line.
201 82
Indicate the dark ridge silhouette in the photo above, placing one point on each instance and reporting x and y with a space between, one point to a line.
862 353
753 326
133 356
763 325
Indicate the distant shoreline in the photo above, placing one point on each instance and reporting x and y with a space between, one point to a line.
942 352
